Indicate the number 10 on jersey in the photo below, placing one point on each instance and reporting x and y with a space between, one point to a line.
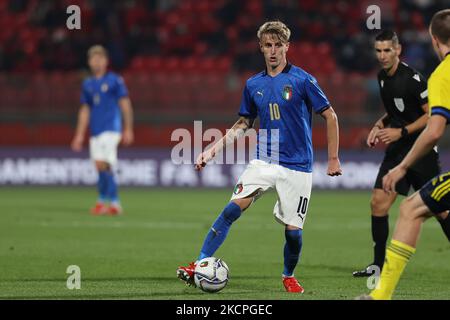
274 111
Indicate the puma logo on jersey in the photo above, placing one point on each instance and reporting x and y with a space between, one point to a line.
302 217
260 93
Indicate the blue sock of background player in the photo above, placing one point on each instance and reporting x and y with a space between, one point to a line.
219 230
102 186
112 188
292 250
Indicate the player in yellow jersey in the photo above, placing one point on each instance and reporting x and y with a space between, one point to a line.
434 197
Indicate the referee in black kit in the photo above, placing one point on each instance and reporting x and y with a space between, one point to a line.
405 98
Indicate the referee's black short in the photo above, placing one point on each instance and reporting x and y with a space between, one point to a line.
417 176
436 193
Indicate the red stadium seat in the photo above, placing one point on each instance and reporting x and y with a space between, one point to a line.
14 134
207 65
305 49
319 137
52 134
223 65
323 49
138 63
171 64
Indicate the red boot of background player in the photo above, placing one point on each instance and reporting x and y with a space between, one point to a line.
99 209
114 210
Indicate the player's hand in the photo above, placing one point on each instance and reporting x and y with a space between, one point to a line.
391 179
127 137
389 135
203 159
372 139
77 143
334 168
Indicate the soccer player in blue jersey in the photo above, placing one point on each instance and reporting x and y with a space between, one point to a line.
283 97
104 102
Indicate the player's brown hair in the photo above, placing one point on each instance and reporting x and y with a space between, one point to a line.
97 49
277 28
440 25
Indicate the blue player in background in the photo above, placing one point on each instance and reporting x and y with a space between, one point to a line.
104 102
283 97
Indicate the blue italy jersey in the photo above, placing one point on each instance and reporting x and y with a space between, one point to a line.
102 96
284 105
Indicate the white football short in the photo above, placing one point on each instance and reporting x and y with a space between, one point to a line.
104 147
293 189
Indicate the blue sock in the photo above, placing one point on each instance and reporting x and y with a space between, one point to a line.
219 230
102 186
292 250
112 187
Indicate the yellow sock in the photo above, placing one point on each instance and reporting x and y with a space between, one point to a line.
397 256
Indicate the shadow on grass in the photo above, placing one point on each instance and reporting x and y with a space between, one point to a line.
113 279
347 269
182 293
100 296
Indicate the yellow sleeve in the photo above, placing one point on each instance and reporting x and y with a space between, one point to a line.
439 94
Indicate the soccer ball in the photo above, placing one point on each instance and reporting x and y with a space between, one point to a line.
211 274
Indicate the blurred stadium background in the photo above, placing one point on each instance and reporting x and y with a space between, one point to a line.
186 60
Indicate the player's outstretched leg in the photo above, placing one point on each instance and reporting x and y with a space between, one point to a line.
413 212
292 251
215 237
380 204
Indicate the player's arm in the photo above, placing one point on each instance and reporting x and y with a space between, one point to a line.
236 131
334 166
390 135
420 123
82 124
127 113
381 123
424 143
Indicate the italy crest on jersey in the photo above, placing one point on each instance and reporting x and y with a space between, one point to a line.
287 92
238 188
104 87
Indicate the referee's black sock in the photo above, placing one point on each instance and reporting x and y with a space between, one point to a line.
380 234
445 224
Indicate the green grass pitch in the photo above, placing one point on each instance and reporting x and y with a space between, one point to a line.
134 256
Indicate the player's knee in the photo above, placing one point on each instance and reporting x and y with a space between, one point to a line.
294 234
443 215
232 211
379 206
101 166
243 203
